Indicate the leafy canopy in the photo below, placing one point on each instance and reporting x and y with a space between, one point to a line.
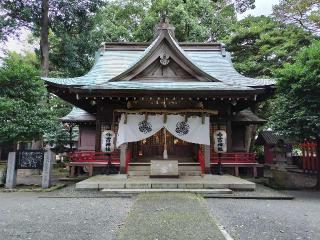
296 112
131 20
304 13
259 45
26 112
21 114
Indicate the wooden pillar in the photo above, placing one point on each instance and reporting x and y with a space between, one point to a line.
98 136
207 159
123 154
229 135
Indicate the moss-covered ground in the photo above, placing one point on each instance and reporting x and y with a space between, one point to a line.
166 216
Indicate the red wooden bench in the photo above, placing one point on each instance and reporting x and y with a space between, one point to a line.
236 161
90 159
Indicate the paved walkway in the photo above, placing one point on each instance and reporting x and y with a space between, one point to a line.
24 216
270 219
169 216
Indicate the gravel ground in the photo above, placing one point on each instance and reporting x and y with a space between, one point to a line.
25 216
169 216
270 219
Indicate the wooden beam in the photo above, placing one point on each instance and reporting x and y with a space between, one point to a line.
98 136
229 135
205 111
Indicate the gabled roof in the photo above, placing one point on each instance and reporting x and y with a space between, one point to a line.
78 115
270 137
247 116
117 62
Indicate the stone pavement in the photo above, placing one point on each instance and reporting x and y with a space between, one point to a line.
207 181
169 216
270 219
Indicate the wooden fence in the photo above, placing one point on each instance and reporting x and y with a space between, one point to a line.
309 157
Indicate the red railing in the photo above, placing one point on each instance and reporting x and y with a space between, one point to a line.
309 156
91 156
128 159
201 161
233 158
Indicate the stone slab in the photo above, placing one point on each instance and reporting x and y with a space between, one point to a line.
184 182
199 191
112 185
190 185
87 185
214 186
164 185
11 179
49 157
164 168
141 185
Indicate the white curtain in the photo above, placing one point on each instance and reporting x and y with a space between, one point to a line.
192 130
137 128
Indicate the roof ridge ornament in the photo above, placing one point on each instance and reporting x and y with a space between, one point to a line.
164 25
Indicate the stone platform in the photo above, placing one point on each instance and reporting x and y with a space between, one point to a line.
122 181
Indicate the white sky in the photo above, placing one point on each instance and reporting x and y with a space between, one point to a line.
263 7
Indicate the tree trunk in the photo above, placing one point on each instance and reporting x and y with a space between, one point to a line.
44 42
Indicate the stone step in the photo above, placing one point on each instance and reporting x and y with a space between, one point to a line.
147 173
139 173
152 190
190 173
181 168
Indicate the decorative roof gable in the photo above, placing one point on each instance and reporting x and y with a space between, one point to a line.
160 58
164 60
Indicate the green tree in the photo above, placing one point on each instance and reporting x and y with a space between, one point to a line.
22 116
26 113
304 13
259 45
59 16
131 20
296 112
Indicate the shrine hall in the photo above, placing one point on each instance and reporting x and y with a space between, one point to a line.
163 101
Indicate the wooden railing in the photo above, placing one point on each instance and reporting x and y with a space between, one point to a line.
233 158
91 156
128 159
309 157
201 161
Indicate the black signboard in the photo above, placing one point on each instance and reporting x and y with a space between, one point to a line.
29 159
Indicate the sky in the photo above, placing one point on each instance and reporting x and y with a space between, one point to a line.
263 7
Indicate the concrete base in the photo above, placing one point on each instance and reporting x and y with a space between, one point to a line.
204 192
186 182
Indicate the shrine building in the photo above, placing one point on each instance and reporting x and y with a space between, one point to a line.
165 100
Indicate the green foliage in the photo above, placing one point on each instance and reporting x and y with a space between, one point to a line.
304 13
131 20
26 112
60 137
259 45
296 112
21 116
197 20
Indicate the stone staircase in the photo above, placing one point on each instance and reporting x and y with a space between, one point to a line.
185 169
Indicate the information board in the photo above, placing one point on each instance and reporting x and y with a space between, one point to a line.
29 159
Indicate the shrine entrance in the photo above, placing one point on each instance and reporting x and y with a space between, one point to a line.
153 147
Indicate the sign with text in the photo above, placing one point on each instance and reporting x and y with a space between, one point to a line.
29 159
107 141
220 141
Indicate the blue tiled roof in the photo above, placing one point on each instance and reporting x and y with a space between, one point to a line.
112 63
